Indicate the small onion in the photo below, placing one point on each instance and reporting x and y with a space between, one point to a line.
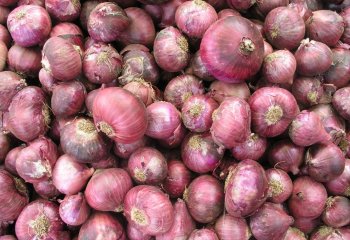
220 90
267 49
10 160
337 212
253 148
57 126
301 7
178 178
341 184
11 84
143 90
325 232
125 150
46 189
66 28
26 61
107 188
46 80
205 198
175 140
280 185
63 10
203 234
294 234
69 176
227 226
74 210
339 72
340 102
149 210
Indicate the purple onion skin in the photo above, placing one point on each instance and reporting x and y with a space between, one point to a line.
337 211
341 102
227 226
325 233
246 189
86 9
203 234
253 148
280 185
339 72
294 234
307 225
11 84
10 160
198 69
341 184
63 10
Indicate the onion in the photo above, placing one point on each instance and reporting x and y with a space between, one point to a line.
273 109
143 90
340 102
284 28
5 146
46 80
279 67
253 148
107 188
13 195
109 162
280 185
171 50
264 7
25 61
338 73
163 120
337 212
294 234
308 198
31 2
61 59
197 113
63 10
107 21
39 220
325 26
183 223
240 4
68 98
203 234
135 234
325 232
125 150
198 69
231 122
86 8
3 55
69 176
149 210
127 122
227 13
244 56
80 139
228 227
29 25
178 178
10 160
245 188
46 189
220 90
66 28
345 14
306 225
102 225
147 166
302 8
74 210
5 36
11 84
324 162
101 63
205 198
270 222
341 184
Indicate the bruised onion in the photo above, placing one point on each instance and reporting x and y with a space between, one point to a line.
125 150
178 178
107 188
46 189
127 122
227 226
69 176
339 72
205 198
341 101
63 10
147 166
143 90
74 210
253 148
29 25
10 160
280 185
11 84
203 234
149 210
220 90
341 184
336 212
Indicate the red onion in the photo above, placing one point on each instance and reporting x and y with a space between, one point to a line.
273 109
5 36
13 195
284 28
80 139
107 188
345 14
308 198
35 162
341 103
10 160
240 5
143 90
270 222
264 7
197 113
26 61
175 140
325 26
5 146
156 2
61 59
109 162
147 166
302 8
3 55
74 210
183 223
149 210
231 122
39 220
8 237
203 234
171 50
228 227
325 232
227 13
69 176
163 120
306 225
107 21
63 10
198 69
324 162
86 8
29 25
68 98
221 90
294 234
337 212
339 72
205 198
178 178
66 28
46 189
244 54
101 63
341 184
135 234
253 148
194 17
31 2
4 12
280 185
103 225
127 122
125 150
57 126
11 84
46 80
279 67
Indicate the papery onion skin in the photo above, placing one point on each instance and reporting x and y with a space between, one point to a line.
294 234
26 61
128 121
171 50
11 84
74 210
242 59
66 28
341 184
178 178
14 196
246 188
147 166
220 90
134 234
203 234
227 226
46 189
309 91
341 101
205 198
125 150
308 198
253 148
284 28
10 160
336 212
29 25
69 176
153 215
339 72
63 10
101 224
143 90
325 232
280 185
107 188
175 140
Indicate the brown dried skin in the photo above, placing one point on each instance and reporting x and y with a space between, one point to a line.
10 84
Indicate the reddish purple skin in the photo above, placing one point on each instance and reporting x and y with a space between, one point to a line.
198 69
227 226
26 61
5 146
74 210
240 4
265 7
337 212
10 160
63 10
178 178
341 184
341 102
203 234
227 13
308 90
294 234
86 9
278 176
339 73
11 84
253 148
46 189
66 28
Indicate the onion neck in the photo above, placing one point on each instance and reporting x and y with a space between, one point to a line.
196 110
40 226
276 188
106 129
139 217
247 46
140 175
183 44
330 202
